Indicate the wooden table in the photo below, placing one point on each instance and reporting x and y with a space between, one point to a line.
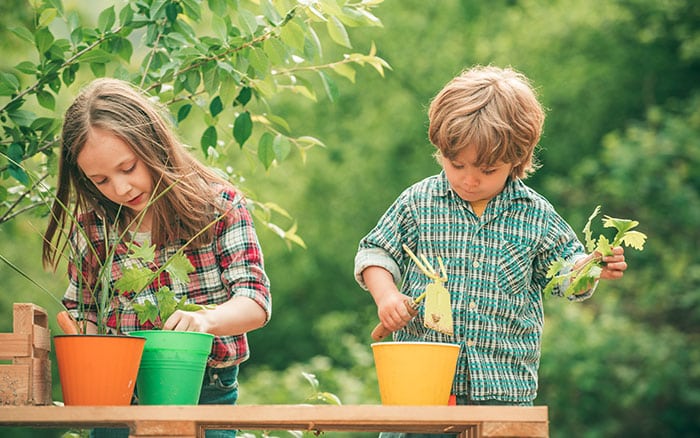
191 421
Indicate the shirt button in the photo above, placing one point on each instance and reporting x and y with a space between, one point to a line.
475 264
470 343
472 305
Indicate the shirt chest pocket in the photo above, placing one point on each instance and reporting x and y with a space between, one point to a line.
514 268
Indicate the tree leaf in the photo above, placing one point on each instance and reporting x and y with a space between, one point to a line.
281 147
106 19
209 139
242 128
266 153
216 106
337 31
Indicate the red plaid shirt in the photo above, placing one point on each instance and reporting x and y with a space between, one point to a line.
231 265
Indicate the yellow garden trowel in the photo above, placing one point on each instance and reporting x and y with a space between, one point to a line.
438 310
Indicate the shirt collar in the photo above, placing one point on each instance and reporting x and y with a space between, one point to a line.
515 188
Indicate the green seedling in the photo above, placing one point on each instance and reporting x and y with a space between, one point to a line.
583 277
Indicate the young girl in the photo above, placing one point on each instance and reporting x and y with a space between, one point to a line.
123 170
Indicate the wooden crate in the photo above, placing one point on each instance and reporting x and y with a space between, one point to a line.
27 380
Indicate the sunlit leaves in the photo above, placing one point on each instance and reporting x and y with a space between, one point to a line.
257 49
338 33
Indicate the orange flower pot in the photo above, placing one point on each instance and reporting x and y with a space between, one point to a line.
98 369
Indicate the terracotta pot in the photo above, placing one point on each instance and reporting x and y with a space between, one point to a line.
98 369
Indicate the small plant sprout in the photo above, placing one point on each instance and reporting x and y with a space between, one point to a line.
584 277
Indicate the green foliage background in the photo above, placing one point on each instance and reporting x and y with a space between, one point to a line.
619 80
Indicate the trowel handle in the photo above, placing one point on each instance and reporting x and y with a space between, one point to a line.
67 323
380 332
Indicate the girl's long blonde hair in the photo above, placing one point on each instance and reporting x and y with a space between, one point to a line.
186 201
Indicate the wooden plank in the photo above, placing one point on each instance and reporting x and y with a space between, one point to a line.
180 429
14 385
41 382
511 429
429 419
41 340
14 345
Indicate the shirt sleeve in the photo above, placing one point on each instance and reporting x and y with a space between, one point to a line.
560 243
383 245
241 258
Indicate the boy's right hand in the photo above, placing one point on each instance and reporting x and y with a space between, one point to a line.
394 311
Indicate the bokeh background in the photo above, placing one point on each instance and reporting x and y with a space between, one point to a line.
621 83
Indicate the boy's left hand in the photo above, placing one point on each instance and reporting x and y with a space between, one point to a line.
614 266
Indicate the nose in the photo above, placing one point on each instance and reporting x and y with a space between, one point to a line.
121 186
470 179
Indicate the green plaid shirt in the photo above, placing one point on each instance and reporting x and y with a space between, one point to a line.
496 266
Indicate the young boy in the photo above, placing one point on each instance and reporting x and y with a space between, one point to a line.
496 236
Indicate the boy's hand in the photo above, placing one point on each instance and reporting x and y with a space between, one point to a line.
393 311
614 265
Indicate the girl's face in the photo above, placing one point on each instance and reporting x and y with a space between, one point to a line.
117 172
475 184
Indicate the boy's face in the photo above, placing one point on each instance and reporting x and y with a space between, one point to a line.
115 170
472 183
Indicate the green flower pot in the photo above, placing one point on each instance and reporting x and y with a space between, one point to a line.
172 367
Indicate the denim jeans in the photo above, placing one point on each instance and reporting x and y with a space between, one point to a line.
220 387
461 400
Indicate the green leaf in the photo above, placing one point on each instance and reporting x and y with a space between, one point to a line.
338 33
166 303
134 279
244 96
590 243
26 67
266 153
345 70
635 239
22 117
183 111
218 7
242 128
9 84
329 85
95 55
293 35
145 252
46 99
106 19
247 21
43 40
209 139
23 33
146 312
46 17
216 106
179 267
281 147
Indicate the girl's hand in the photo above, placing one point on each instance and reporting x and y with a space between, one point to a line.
393 312
614 265
187 321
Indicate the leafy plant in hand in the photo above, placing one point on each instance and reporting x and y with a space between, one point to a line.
137 278
583 277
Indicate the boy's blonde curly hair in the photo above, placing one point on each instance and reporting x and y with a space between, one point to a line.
492 109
